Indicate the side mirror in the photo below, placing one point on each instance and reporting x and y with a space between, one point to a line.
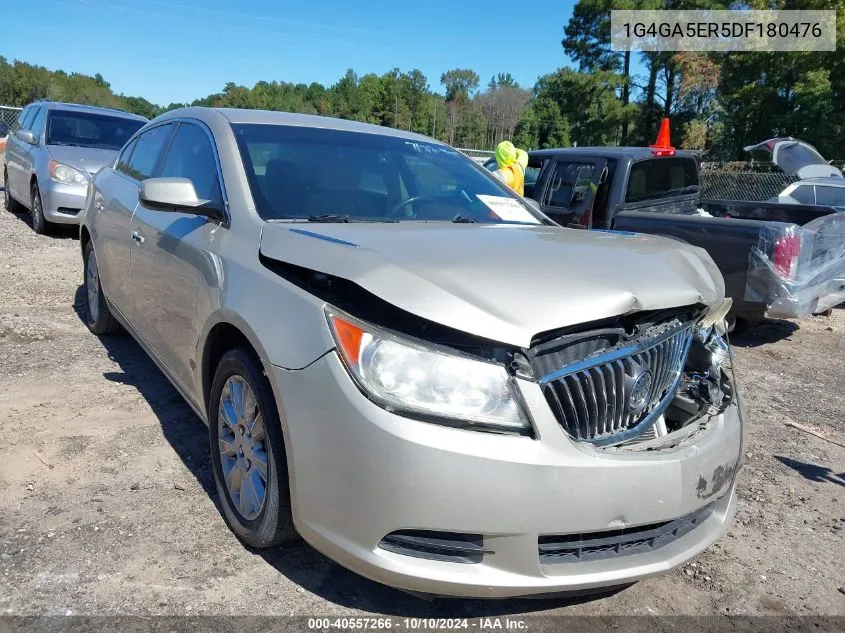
533 204
177 194
26 136
4 128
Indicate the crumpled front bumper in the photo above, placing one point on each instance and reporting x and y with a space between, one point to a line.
359 472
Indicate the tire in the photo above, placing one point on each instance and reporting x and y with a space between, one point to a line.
746 323
241 403
39 223
8 201
98 317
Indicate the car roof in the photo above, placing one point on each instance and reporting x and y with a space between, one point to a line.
834 181
76 107
271 117
634 153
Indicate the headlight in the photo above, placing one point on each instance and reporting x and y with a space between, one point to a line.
412 378
711 331
66 175
715 316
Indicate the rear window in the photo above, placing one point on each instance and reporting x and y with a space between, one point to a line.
662 178
793 156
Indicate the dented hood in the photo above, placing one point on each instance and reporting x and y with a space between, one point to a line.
504 283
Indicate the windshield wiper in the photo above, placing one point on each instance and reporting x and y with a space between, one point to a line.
463 218
328 217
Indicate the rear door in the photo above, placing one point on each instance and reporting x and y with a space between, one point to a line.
569 190
169 252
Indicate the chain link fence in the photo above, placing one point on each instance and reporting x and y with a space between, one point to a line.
755 183
9 114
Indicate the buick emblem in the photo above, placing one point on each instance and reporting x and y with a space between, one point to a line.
638 397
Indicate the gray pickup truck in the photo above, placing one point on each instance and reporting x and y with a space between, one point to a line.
780 260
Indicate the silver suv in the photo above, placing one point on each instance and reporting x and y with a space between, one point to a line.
52 152
402 361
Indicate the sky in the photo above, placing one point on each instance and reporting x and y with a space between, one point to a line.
175 52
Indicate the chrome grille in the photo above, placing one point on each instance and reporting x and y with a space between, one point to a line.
592 399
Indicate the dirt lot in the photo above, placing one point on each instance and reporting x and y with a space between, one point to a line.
107 502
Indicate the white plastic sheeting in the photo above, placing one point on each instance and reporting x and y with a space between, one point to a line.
799 270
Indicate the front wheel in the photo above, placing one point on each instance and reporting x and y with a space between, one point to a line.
39 223
247 452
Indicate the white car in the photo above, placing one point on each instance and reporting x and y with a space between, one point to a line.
820 182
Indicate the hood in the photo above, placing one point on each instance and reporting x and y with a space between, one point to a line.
794 157
86 159
501 282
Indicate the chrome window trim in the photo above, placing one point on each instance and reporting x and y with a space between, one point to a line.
132 138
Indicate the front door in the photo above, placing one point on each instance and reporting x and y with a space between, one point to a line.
115 202
169 255
14 157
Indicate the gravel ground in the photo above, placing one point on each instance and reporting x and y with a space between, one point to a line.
107 502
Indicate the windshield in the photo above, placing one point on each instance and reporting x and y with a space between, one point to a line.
662 178
90 129
333 175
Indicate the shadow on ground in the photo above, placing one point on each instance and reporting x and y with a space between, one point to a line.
64 231
813 472
765 332
298 562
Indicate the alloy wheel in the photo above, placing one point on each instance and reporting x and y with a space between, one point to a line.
92 286
37 212
242 443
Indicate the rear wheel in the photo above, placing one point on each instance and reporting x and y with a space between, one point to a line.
247 452
98 317
39 224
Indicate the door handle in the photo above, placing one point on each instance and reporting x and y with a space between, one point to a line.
136 235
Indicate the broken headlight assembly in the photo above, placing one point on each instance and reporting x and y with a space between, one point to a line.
707 384
413 378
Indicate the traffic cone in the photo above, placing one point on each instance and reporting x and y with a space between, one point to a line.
663 141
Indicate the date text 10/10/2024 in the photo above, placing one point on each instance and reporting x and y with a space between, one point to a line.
417 624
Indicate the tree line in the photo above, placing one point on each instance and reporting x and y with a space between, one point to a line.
717 102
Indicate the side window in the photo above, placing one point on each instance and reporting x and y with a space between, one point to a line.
532 173
30 117
191 156
831 196
37 124
22 119
148 149
123 161
569 185
804 194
